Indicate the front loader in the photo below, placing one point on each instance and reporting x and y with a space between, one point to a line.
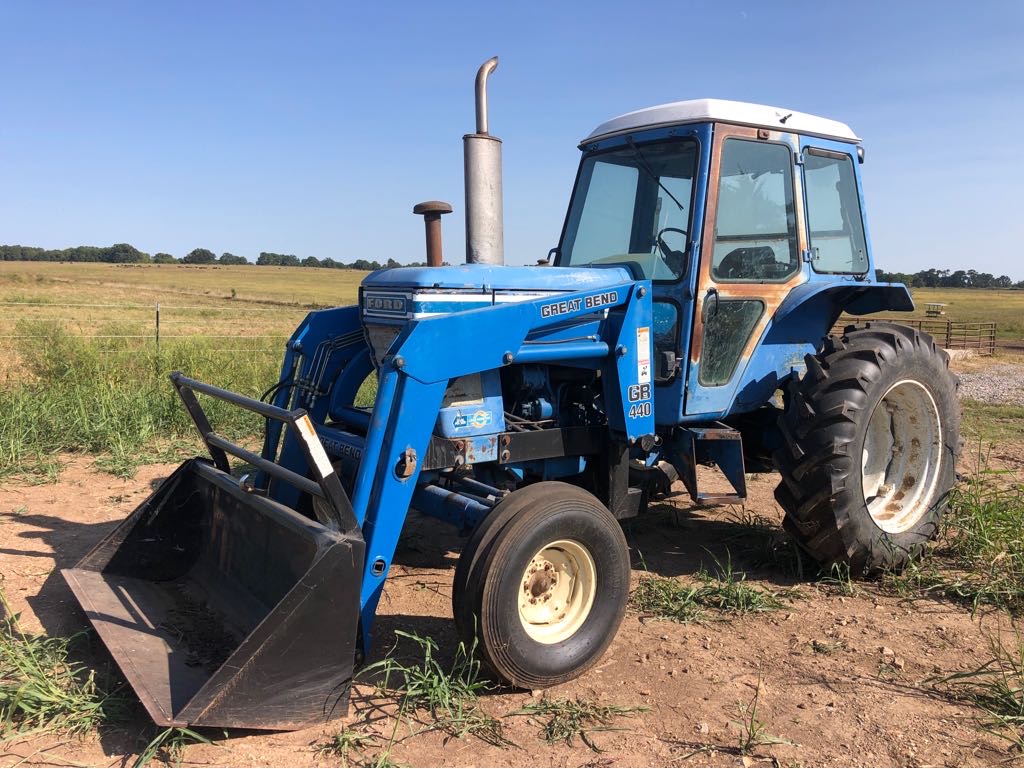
677 335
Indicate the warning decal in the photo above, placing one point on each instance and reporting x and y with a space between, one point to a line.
643 354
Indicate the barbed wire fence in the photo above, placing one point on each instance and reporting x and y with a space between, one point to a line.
242 329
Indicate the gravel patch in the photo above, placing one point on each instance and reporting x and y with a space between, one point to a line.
1003 383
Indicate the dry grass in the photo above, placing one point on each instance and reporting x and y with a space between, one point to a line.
228 304
1004 306
159 282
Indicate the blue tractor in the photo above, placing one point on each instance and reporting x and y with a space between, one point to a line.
680 331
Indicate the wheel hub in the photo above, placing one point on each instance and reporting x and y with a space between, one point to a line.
901 456
557 591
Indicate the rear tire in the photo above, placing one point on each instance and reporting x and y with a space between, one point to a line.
870 443
541 586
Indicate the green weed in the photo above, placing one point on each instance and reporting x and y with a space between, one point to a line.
169 746
41 690
838 579
753 732
564 720
996 687
348 743
726 592
449 696
978 559
762 543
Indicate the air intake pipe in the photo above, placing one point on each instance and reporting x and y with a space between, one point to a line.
485 242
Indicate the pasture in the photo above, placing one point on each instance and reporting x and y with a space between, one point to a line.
1003 306
82 371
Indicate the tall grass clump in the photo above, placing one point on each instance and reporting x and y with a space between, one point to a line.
445 696
726 592
996 687
979 557
41 690
112 396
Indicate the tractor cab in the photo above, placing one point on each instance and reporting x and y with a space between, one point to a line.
727 207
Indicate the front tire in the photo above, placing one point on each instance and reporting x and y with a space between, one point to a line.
870 442
541 587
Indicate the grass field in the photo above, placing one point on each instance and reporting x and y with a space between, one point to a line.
227 303
151 283
81 371
1005 307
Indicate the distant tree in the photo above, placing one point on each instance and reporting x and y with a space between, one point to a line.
277 260
162 258
393 263
123 253
228 258
311 261
199 256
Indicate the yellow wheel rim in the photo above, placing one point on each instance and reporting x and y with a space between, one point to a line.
557 591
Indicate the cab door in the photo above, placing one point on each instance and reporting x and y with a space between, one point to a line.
751 258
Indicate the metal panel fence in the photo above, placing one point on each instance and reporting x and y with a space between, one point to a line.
950 334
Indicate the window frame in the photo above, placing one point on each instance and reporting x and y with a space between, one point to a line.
835 155
794 235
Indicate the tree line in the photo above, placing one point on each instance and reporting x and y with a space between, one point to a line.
949 279
125 253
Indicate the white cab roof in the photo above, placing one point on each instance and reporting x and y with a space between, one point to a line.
724 111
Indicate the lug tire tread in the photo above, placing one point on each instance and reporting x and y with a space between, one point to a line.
821 428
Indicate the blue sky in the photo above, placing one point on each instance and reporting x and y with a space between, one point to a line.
313 128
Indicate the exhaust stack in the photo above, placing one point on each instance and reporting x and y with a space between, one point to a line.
485 242
432 211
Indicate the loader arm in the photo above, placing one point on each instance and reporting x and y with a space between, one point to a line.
413 379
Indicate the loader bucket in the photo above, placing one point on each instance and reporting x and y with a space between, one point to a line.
224 608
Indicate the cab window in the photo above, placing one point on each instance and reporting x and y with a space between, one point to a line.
632 207
755 224
833 214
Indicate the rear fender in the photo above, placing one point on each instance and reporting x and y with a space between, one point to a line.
832 299
800 325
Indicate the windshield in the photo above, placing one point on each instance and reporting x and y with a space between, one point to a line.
632 206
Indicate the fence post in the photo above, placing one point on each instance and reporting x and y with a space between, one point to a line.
158 328
949 334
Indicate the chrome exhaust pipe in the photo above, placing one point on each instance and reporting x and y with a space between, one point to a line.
481 93
485 242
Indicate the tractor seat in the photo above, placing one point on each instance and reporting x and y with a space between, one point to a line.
752 263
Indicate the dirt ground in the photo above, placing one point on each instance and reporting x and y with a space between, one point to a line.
843 677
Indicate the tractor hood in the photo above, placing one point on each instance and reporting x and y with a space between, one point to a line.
388 299
407 293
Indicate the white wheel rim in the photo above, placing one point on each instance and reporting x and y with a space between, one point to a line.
557 591
901 456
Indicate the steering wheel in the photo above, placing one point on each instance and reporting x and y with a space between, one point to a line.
674 260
